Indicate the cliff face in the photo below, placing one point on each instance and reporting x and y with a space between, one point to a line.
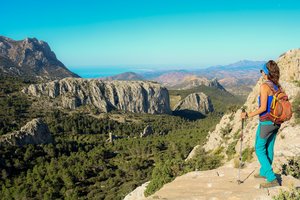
133 96
199 102
34 132
289 142
30 57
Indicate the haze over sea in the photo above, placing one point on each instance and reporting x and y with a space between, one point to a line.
104 71
97 72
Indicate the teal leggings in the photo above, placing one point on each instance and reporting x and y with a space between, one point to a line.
264 148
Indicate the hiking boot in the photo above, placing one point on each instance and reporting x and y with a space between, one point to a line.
273 183
258 176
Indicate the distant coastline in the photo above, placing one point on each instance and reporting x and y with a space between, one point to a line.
104 71
97 72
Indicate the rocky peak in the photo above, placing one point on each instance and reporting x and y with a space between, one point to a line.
33 44
34 132
30 57
215 83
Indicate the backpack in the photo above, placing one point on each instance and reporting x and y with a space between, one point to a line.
281 108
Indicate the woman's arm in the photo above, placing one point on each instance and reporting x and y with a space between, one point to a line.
263 102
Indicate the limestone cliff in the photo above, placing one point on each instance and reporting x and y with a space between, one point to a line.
34 132
133 96
199 102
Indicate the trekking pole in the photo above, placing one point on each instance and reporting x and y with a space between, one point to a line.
241 147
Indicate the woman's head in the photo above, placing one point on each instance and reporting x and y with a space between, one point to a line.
271 71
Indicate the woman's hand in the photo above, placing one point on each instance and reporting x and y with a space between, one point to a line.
244 115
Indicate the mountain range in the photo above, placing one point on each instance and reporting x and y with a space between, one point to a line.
237 78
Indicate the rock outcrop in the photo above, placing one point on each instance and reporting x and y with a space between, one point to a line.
147 131
30 58
138 193
199 102
34 132
133 96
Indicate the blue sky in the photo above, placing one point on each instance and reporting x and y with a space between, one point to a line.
156 33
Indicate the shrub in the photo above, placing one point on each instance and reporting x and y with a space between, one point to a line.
296 108
230 152
167 171
162 174
292 167
293 194
226 130
247 154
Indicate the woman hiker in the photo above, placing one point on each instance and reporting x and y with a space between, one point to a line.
266 130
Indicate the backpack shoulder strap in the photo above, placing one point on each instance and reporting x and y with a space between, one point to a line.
271 86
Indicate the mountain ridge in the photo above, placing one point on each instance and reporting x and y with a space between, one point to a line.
30 58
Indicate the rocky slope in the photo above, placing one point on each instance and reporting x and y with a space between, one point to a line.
34 132
133 96
30 58
199 102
